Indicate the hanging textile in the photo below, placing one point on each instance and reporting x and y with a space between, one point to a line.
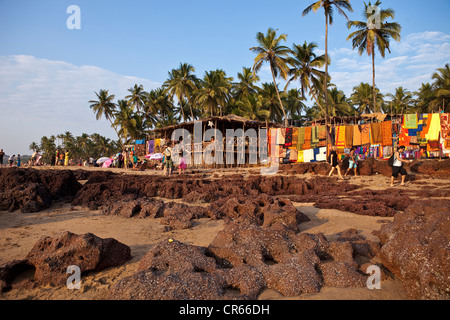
375 133
386 133
308 155
332 136
340 137
365 134
281 133
157 143
410 121
445 126
300 157
301 138
349 136
288 138
294 138
434 128
293 155
314 136
357 135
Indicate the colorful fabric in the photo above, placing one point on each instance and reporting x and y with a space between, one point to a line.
357 136
281 133
157 143
308 134
445 125
294 138
386 133
340 137
410 121
151 146
375 133
349 136
293 155
300 156
314 136
301 138
288 138
435 127
365 134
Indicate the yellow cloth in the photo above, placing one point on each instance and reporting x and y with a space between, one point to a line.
300 156
66 160
435 127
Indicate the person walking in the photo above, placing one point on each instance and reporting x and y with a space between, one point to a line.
353 162
397 167
333 160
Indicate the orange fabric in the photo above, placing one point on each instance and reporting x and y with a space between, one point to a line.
365 134
386 133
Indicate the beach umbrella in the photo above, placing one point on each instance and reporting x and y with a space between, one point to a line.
102 160
157 156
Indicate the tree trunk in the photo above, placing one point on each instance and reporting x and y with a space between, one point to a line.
286 123
373 75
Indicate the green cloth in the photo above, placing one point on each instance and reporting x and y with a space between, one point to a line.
301 138
314 136
410 121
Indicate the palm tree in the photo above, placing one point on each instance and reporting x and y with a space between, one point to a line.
425 97
124 118
442 86
328 7
246 85
305 66
276 55
34 147
362 97
294 100
270 100
251 108
156 103
182 83
370 36
401 102
136 98
104 106
214 91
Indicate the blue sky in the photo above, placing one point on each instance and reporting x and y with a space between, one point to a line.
48 73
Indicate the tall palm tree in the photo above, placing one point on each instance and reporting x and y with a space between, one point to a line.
136 97
124 119
401 102
270 50
370 36
104 106
156 103
305 68
182 83
34 147
328 7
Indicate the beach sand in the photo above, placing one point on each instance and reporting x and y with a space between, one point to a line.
19 232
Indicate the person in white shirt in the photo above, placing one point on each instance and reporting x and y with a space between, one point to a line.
398 168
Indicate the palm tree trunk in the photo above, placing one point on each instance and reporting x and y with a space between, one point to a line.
373 75
286 123
326 78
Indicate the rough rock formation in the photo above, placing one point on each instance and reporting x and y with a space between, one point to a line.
51 256
416 249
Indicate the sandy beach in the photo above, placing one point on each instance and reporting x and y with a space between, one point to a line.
19 232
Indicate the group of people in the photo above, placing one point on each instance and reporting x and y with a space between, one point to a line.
13 160
352 158
170 151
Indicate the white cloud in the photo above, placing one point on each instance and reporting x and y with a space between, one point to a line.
43 97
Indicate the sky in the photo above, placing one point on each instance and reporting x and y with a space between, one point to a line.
48 72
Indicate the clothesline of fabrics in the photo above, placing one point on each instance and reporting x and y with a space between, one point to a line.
423 135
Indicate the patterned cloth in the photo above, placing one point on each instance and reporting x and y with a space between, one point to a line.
301 138
386 133
340 137
349 136
434 128
288 138
357 136
294 138
281 133
365 134
375 133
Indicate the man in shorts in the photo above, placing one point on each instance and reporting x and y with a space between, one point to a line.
352 162
397 167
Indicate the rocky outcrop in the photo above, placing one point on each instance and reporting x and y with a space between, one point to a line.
416 249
